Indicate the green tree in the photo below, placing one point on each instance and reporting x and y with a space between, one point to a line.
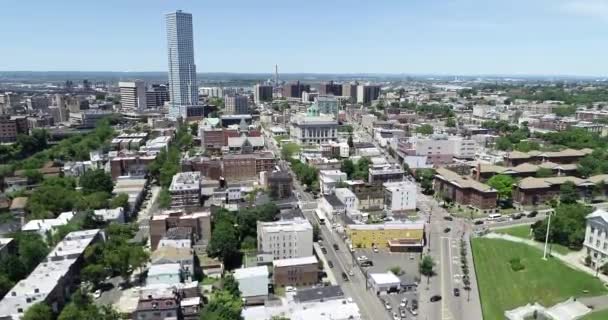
425 177
164 199
427 267
316 232
231 285
223 306
32 249
38 311
121 200
96 180
503 184
425 129
568 193
94 273
450 122
544 173
503 143
568 225
224 244
5 285
289 149
194 128
348 167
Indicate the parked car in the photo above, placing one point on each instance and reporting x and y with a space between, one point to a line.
448 218
375 249
478 222
330 264
361 258
336 247
414 304
387 305
446 230
532 214
435 298
403 314
403 302
324 250
396 316
412 256
344 276
367 263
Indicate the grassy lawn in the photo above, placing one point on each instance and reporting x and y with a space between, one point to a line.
524 233
517 231
546 282
600 315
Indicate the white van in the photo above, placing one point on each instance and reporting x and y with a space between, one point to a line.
494 216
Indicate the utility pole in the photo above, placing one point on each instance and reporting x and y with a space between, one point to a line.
547 237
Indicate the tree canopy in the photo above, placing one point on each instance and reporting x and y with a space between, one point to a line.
568 225
96 180
425 129
503 184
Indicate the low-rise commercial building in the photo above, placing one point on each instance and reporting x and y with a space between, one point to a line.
395 236
253 283
385 174
384 282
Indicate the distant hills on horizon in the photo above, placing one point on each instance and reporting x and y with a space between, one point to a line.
228 76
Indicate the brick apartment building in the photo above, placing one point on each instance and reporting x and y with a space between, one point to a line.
565 156
233 167
536 191
198 222
465 191
296 272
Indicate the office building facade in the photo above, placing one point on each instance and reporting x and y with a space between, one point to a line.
133 95
236 104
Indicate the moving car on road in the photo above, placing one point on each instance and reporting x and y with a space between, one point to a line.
336 247
330 264
456 292
435 298
344 276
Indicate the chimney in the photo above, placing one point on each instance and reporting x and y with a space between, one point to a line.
478 171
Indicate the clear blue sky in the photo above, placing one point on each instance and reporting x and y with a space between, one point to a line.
321 36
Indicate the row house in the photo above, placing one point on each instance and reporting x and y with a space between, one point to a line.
465 191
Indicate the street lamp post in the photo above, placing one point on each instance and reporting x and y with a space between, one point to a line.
547 237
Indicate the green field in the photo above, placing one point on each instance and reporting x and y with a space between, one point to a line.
524 233
546 282
600 315
517 231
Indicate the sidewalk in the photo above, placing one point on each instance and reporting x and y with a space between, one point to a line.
572 259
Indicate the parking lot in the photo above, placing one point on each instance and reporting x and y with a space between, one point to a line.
383 261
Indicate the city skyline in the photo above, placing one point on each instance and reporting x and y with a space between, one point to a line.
538 37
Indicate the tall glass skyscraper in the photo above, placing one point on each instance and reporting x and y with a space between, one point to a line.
182 71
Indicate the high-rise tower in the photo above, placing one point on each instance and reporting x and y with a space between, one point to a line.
182 70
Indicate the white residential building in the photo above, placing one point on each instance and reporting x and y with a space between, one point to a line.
43 226
348 198
253 282
400 196
52 280
111 215
284 239
596 237
328 180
